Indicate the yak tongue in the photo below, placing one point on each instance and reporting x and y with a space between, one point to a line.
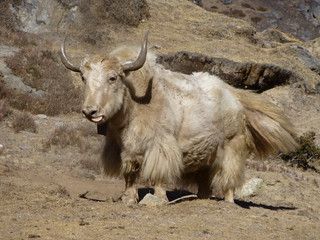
97 119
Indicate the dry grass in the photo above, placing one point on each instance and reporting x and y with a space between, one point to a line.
83 138
7 19
3 91
43 71
91 163
65 136
9 33
23 121
129 12
59 191
38 67
3 109
3 102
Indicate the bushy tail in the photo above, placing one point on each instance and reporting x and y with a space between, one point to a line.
271 131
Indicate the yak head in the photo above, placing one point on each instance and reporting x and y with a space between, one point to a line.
105 82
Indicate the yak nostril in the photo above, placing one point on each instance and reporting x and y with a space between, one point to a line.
89 112
92 112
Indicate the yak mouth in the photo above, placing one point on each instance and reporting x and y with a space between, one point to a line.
98 119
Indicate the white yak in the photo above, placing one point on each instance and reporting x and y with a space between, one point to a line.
167 127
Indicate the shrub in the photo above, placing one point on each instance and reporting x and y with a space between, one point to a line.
42 70
307 155
65 136
129 12
23 121
3 109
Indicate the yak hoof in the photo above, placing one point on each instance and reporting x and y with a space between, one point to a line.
129 200
126 198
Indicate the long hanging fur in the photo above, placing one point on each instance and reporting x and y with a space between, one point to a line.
271 131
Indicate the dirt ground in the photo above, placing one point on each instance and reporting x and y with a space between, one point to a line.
45 168
40 190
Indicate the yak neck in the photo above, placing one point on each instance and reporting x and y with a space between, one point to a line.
121 118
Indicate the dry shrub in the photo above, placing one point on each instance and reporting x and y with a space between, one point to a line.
8 19
3 109
308 154
236 13
246 5
9 33
129 12
3 103
42 70
65 136
3 90
23 121
262 9
59 191
256 19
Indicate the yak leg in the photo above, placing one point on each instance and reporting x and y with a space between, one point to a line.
130 195
229 196
228 167
160 192
130 171
203 179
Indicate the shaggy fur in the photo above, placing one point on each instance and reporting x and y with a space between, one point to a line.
166 127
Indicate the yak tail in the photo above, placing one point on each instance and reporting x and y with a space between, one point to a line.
269 129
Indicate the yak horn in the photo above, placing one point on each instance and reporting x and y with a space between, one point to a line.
65 60
138 63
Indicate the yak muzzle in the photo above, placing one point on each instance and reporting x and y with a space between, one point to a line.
92 114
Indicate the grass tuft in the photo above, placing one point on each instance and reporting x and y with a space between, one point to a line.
23 121
308 154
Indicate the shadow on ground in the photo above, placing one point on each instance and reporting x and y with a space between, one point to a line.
176 196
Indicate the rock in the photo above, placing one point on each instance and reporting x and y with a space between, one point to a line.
34 236
12 81
94 196
250 188
41 116
226 1
152 200
246 75
37 16
83 222
298 17
311 61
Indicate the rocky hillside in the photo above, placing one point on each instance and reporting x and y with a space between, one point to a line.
298 17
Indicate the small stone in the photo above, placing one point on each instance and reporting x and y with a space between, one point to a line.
83 222
42 116
34 236
226 1
152 201
94 196
250 188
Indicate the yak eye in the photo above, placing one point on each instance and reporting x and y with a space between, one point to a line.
113 78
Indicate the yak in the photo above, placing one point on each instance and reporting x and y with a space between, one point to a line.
166 127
